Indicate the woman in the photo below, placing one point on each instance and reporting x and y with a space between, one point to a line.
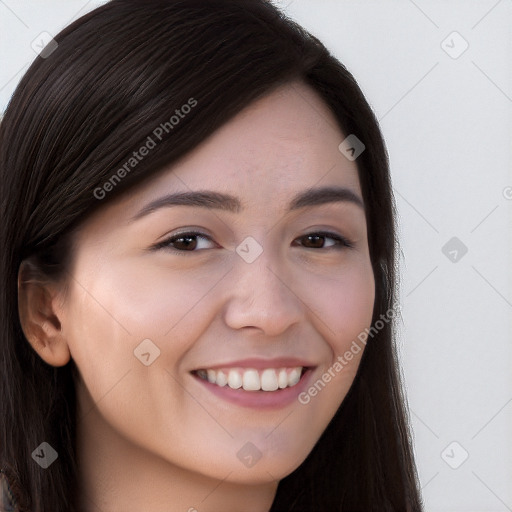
199 272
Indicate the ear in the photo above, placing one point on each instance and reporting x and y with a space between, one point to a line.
40 315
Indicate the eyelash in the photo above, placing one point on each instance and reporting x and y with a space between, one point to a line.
342 242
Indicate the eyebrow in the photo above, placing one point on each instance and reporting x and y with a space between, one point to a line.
220 201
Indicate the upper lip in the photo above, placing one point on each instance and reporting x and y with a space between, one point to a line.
259 363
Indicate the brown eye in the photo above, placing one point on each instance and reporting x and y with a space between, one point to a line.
184 242
317 241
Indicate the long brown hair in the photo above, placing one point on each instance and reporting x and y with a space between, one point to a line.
77 115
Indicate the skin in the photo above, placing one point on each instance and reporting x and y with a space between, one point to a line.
153 437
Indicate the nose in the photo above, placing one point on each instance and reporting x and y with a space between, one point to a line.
263 296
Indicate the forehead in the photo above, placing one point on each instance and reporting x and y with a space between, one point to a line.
279 145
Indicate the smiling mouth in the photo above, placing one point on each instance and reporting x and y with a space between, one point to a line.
251 379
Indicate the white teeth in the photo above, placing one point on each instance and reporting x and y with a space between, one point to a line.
250 379
283 378
294 376
222 379
234 379
269 380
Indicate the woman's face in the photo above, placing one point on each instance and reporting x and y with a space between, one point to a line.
152 305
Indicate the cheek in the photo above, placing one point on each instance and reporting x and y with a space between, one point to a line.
157 299
343 306
117 307
100 340
343 303
142 301
108 318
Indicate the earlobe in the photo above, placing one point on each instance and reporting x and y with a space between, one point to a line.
39 318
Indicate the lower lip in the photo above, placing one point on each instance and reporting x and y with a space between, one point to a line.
259 399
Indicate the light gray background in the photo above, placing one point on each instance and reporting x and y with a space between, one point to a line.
448 123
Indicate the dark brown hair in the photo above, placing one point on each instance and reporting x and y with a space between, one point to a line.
77 116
